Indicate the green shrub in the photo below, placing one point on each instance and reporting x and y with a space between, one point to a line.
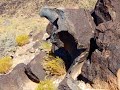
54 66
22 40
46 85
5 64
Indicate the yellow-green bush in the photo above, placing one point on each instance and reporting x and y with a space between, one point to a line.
45 46
22 39
54 66
5 64
46 85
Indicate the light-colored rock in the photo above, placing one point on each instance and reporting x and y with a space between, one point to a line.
30 86
84 86
118 78
45 36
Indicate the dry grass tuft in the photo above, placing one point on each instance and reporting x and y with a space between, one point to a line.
45 46
87 4
46 85
54 66
22 40
5 64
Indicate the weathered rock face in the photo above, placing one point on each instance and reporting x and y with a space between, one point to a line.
80 24
68 84
103 45
83 24
14 80
74 31
106 63
34 69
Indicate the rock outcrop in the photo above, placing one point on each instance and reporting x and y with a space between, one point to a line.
99 36
14 80
88 42
74 32
34 69
105 63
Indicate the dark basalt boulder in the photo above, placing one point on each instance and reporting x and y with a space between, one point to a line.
74 29
100 36
15 80
34 70
68 84
79 24
105 63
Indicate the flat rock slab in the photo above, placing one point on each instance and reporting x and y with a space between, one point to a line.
83 24
34 69
68 84
15 80
106 63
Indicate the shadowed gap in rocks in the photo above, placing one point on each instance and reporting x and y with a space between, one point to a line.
70 51
81 77
101 13
93 47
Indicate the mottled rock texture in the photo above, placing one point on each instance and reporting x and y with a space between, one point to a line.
105 63
14 80
101 38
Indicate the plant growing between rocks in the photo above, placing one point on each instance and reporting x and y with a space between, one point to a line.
45 46
46 85
5 64
54 66
22 40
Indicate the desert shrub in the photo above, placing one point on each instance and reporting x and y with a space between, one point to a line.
5 64
54 66
46 85
22 39
45 46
